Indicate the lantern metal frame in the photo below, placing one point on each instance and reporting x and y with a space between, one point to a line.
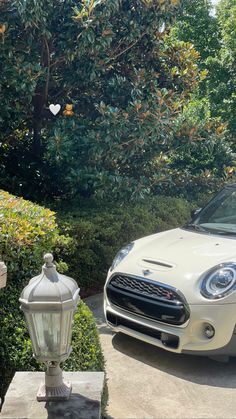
49 302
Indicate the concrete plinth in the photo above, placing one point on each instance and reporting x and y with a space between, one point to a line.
85 401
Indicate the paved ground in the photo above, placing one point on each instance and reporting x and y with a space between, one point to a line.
147 382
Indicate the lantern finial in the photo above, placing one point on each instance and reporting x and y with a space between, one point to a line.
48 259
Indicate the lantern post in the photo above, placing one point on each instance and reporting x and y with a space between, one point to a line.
49 302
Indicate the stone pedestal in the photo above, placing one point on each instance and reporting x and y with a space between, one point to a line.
84 403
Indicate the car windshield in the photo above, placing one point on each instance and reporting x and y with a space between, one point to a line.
219 216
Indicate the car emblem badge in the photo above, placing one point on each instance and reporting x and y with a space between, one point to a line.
146 272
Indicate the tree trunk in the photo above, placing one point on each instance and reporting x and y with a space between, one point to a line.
38 103
39 100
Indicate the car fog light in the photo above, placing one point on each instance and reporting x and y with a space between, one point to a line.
209 331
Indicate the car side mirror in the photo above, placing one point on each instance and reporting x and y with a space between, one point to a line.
195 212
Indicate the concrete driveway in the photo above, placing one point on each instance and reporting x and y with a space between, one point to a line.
147 382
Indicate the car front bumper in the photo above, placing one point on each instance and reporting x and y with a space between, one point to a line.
187 338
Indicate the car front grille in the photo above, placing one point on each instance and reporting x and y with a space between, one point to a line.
143 287
147 298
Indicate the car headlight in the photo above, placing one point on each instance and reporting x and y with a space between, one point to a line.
121 255
219 281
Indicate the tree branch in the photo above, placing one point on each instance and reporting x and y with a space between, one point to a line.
59 61
48 68
128 48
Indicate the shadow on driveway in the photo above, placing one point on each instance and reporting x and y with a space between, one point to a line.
196 369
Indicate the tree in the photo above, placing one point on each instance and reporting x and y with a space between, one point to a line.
196 24
214 37
125 76
221 84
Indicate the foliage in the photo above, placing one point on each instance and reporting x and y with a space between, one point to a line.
97 234
213 37
197 24
27 231
86 354
222 75
194 165
124 74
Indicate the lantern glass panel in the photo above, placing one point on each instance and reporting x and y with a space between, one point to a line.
47 327
31 328
66 331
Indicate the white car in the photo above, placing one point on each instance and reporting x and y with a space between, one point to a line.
177 289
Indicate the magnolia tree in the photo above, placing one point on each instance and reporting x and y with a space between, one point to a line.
121 81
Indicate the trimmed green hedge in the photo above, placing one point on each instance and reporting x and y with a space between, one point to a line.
26 232
95 235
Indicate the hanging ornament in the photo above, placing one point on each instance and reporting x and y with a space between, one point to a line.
2 31
68 110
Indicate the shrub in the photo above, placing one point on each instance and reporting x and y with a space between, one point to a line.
86 354
27 231
94 236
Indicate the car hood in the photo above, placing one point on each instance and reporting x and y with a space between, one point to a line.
179 258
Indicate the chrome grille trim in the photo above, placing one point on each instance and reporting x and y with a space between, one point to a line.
146 287
147 298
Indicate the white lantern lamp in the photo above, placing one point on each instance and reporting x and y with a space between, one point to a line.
49 302
3 275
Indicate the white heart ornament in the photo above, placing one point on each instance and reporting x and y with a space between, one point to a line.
55 108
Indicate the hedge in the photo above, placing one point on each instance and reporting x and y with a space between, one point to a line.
94 235
26 232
